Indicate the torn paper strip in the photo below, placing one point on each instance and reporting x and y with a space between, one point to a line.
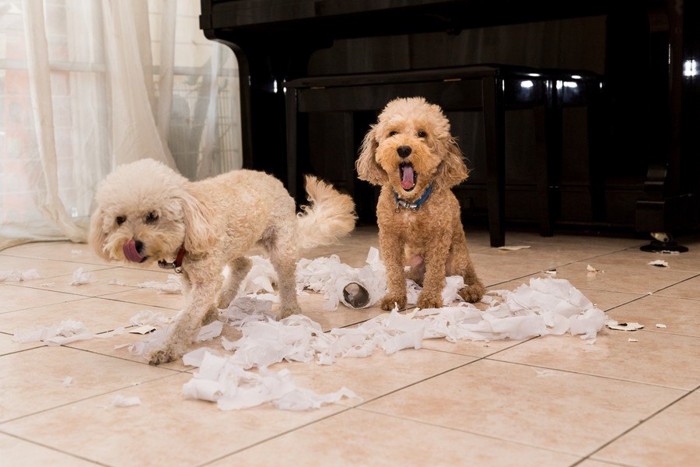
659 263
222 381
81 277
172 286
513 247
149 318
261 277
122 401
66 332
19 276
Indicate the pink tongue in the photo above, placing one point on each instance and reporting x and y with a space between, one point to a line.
131 253
407 177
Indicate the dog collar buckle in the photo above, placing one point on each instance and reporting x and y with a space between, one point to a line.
403 204
175 265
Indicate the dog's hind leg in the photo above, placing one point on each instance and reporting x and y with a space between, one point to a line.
283 253
239 269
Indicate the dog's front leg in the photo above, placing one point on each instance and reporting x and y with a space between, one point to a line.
392 248
188 322
435 266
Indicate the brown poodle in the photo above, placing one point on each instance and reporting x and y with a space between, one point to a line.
411 154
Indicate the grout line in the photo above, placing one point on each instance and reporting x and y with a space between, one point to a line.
54 449
634 427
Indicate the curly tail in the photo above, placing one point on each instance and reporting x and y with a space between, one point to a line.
330 216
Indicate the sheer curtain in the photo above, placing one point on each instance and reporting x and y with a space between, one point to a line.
88 85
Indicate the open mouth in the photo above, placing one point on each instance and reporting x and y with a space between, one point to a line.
408 177
131 251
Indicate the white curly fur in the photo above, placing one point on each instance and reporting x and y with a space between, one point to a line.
146 212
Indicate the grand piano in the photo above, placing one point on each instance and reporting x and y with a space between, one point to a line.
652 64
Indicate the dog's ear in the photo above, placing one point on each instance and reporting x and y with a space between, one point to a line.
366 164
452 170
97 235
199 233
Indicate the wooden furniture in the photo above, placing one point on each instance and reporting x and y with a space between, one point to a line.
489 89
274 39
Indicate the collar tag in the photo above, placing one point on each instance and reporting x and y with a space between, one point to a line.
403 204
175 265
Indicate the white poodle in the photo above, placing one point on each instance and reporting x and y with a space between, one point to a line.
146 212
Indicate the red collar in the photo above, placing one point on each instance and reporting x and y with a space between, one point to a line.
175 265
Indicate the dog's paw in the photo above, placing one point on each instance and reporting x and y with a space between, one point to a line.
390 302
426 301
472 293
162 356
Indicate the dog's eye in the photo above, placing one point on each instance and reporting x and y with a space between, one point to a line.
120 220
393 133
151 217
421 134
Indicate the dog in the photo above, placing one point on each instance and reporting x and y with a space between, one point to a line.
147 213
412 155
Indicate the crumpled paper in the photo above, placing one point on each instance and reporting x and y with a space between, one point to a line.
123 401
81 277
66 332
173 285
261 278
327 275
18 276
545 306
221 380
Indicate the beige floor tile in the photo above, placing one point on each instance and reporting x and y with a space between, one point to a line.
20 453
164 430
375 376
97 314
669 438
544 401
21 298
561 411
597 463
679 316
108 281
471 348
641 279
313 306
35 380
8 345
149 297
357 437
60 251
47 269
656 358
689 289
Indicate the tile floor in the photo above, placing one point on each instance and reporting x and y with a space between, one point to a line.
545 401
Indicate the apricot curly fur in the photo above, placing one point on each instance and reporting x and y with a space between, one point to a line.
429 240
146 212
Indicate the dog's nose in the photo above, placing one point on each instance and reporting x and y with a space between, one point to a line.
404 151
139 246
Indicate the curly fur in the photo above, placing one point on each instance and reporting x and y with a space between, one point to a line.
430 239
146 212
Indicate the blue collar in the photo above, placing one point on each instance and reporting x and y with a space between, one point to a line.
401 203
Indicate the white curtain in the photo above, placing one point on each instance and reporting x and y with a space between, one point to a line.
86 85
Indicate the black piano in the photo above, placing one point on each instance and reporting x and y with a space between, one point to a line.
651 67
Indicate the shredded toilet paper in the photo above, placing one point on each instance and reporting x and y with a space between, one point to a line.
223 381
